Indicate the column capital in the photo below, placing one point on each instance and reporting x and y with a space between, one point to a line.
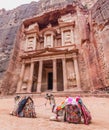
64 58
54 59
75 56
31 61
23 62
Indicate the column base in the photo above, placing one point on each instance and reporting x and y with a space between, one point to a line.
65 90
73 90
38 91
28 92
17 92
54 91
20 93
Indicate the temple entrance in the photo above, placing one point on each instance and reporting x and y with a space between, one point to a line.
50 80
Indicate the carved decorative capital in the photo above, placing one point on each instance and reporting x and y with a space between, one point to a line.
74 55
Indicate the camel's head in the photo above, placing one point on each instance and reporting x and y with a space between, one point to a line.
16 98
49 96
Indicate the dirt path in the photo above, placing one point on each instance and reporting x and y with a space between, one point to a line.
99 108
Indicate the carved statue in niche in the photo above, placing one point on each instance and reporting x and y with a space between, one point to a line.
34 84
25 83
71 76
24 86
30 44
48 40
67 36
71 80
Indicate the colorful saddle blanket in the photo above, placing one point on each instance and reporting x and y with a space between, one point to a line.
73 114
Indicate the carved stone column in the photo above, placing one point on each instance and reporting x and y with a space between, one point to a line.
21 79
54 75
39 76
76 71
64 74
45 41
31 77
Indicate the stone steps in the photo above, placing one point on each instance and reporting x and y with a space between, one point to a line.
64 94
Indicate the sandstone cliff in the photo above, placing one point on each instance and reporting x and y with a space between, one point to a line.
100 27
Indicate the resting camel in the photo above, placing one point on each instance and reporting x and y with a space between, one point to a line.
70 110
59 114
24 107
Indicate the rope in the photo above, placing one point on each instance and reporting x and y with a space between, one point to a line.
41 105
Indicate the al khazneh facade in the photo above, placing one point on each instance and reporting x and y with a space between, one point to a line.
51 45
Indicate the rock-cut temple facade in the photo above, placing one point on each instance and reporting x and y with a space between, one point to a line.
51 51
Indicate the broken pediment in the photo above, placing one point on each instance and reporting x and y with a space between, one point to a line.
32 27
66 18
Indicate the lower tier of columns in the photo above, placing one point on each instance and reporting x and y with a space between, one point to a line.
55 73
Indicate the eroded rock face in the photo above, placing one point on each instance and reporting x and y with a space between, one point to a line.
94 53
100 21
88 3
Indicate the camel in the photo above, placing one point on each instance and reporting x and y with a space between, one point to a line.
63 112
24 107
59 113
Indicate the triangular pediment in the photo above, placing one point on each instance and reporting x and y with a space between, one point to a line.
50 51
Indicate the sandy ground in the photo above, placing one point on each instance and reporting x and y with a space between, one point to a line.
99 108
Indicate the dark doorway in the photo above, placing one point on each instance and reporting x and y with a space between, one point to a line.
50 81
